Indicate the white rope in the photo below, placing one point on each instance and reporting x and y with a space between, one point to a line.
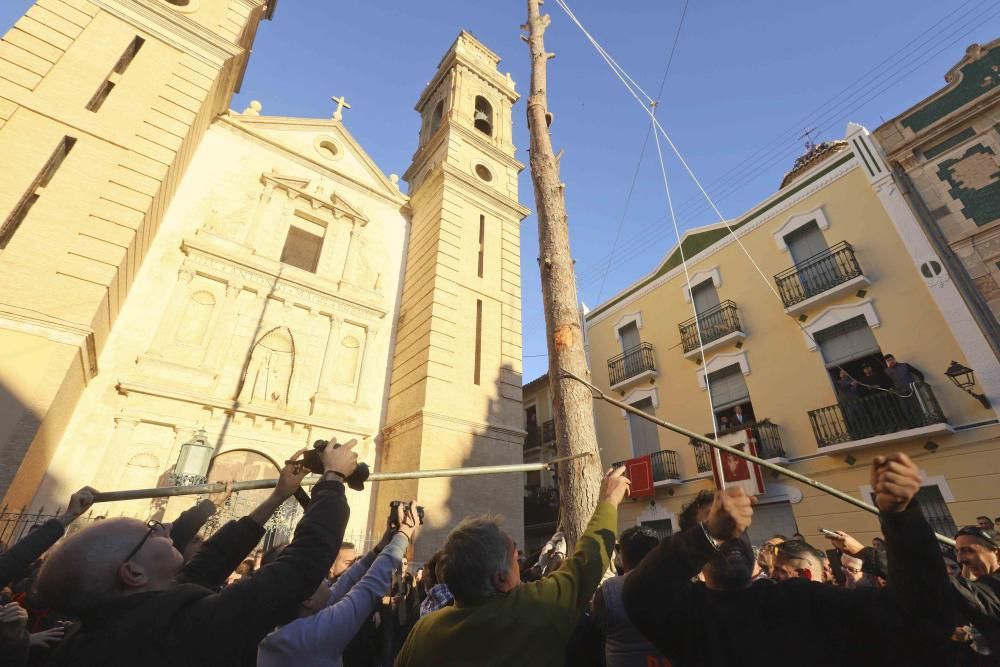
716 453
624 77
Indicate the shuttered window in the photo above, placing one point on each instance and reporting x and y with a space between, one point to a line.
630 336
644 438
847 341
728 387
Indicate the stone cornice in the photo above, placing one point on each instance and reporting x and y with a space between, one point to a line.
129 386
15 318
273 280
174 27
338 206
944 128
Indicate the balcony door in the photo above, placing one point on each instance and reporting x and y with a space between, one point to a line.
706 298
851 346
644 438
630 336
804 244
729 391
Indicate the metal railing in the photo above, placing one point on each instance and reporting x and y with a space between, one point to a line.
664 465
714 323
766 438
881 413
703 455
630 363
822 271
548 432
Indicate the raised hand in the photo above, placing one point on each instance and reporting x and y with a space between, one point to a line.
615 486
846 543
79 503
895 481
219 499
48 638
290 478
407 520
13 620
730 515
342 460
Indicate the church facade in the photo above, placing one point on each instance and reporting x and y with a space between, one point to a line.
246 282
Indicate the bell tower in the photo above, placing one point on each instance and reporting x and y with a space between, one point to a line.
455 391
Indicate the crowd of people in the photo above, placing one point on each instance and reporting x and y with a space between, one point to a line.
124 592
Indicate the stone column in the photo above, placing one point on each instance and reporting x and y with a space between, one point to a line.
223 329
114 459
367 375
347 274
329 355
172 313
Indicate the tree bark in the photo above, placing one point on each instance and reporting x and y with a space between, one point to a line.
572 403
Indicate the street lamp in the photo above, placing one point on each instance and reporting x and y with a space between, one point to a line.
965 379
193 461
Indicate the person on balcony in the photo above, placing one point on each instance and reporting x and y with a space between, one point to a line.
739 419
904 378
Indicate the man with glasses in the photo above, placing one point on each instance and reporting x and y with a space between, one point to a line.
139 604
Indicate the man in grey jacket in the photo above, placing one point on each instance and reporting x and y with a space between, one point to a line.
330 618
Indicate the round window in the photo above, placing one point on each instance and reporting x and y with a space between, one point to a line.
328 149
483 172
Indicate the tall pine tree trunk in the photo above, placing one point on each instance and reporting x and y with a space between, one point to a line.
572 403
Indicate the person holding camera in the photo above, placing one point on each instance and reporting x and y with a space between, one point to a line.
729 619
496 619
333 615
139 604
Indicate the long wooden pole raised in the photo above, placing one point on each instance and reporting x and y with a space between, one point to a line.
216 487
763 463
579 480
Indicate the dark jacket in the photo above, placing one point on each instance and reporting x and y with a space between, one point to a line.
14 562
189 624
907 623
189 522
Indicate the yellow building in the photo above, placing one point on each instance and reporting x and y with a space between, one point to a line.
541 489
177 273
847 277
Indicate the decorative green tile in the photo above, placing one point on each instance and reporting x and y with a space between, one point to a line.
978 78
979 204
949 143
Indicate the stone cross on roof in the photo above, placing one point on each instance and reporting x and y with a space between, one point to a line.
341 105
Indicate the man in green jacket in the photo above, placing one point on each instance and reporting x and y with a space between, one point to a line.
497 620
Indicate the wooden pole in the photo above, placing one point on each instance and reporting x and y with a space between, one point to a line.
217 487
579 480
718 446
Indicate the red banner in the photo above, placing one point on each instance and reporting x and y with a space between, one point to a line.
737 471
640 472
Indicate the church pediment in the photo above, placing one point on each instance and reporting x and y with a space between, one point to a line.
298 188
325 143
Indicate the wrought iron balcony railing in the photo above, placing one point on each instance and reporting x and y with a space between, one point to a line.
630 363
714 323
534 438
766 437
879 414
664 465
819 273
548 431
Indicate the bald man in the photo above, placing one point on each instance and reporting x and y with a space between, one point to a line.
139 604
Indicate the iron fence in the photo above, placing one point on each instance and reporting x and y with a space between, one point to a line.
822 271
630 363
664 464
714 323
878 414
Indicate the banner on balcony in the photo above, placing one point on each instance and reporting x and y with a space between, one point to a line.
737 472
640 472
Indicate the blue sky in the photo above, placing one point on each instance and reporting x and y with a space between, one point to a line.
745 80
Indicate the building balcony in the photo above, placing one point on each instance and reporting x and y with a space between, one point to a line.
541 506
631 365
877 419
666 472
718 326
766 438
828 274
548 432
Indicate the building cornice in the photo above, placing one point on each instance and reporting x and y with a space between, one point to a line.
770 208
